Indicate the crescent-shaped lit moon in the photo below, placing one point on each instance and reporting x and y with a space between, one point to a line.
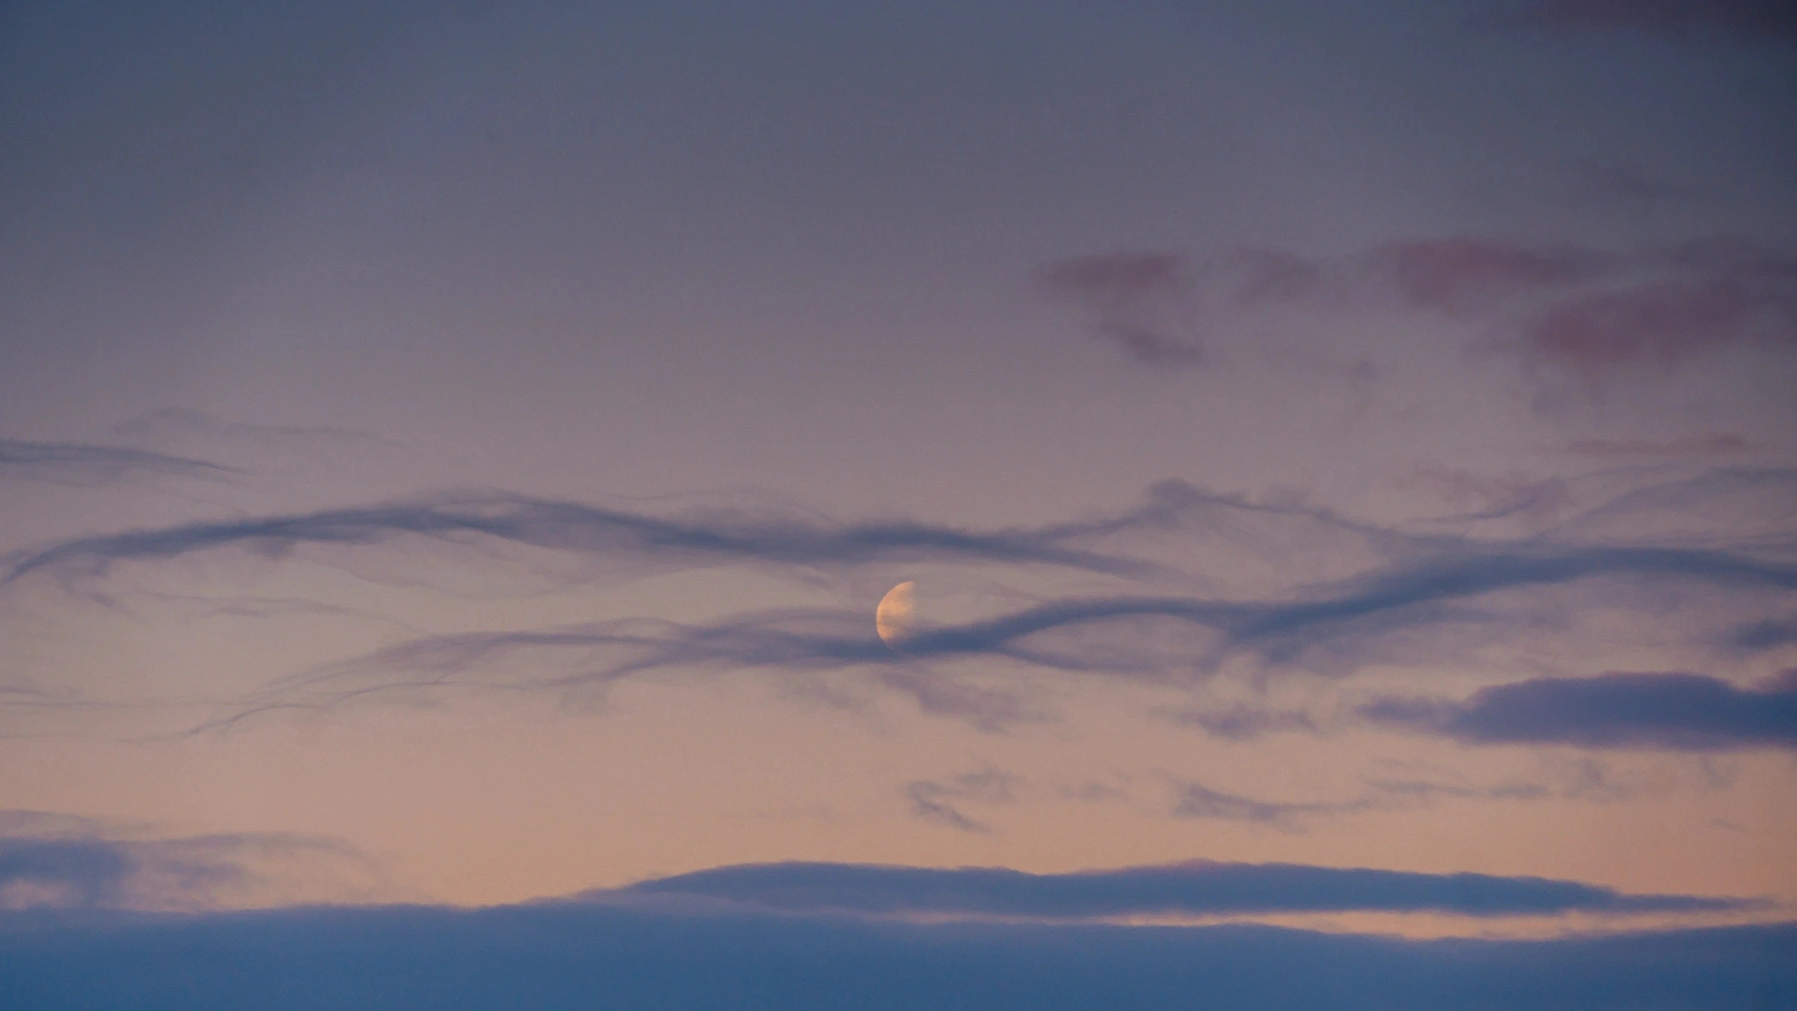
892 619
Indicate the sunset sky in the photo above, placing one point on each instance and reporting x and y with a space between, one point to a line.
1346 455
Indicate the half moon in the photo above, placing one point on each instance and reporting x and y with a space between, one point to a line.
892 619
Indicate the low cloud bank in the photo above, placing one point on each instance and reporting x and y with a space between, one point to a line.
574 955
1199 888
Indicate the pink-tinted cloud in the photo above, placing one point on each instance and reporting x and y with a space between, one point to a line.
1461 274
1752 18
1572 310
1137 301
1658 324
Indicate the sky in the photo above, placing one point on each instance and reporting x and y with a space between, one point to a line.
1345 455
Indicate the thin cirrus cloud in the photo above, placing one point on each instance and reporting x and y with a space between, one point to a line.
1197 800
82 462
1198 888
1589 313
579 529
1062 635
942 801
1679 712
1368 585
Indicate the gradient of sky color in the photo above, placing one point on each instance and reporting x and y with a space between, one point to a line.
450 455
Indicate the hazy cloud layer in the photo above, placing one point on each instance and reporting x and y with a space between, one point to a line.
61 862
1199 888
1686 712
1580 311
585 955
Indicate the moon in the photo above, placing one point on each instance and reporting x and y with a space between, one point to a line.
892 619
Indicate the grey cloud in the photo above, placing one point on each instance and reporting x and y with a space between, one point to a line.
1196 800
58 861
1197 888
596 955
1099 635
1245 723
1679 712
612 534
935 800
1765 634
1368 588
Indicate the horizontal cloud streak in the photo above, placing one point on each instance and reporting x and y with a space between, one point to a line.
1196 800
580 529
1199 888
1052 636
1684 712
54 461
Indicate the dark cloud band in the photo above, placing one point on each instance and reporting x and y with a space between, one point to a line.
1685 712
1193 889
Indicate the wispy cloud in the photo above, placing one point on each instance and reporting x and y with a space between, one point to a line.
1438 585
1589 313
83 462
1681 712
1244 722
938 800
1765 634
1196 800
1065 635
1197 888
610 534
57 861
1138 301
1290 586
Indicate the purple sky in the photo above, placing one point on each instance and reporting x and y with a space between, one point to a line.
451 454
